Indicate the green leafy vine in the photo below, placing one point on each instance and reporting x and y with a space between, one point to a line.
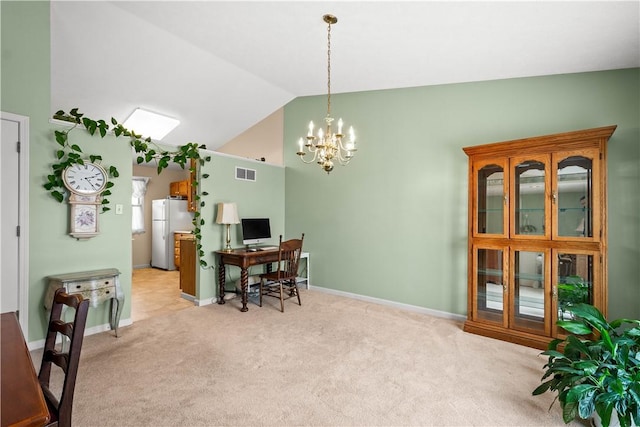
146 150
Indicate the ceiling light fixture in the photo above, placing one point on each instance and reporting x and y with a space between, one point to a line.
150 124
327 146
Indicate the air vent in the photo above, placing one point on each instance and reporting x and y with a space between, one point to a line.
245 174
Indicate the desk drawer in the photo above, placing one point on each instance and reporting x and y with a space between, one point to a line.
264 259
88 285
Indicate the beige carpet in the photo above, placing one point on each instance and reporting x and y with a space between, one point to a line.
332 362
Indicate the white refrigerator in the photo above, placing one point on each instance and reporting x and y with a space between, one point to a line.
167 216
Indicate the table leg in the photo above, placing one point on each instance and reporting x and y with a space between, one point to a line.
244 281
116 311
221 275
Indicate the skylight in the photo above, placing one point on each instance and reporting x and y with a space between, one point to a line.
147 123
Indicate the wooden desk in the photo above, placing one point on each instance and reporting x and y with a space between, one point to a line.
22 401
244 259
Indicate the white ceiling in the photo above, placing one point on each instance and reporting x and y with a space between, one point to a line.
221 67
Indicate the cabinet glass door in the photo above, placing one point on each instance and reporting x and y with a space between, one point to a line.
491 199
575 283
527 303
529 201
576 203
490 285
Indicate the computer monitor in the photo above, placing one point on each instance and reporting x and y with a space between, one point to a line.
255 230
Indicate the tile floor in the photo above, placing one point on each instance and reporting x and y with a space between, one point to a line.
155 292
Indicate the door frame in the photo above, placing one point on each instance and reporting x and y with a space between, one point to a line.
23 217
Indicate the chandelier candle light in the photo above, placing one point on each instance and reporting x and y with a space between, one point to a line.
327 147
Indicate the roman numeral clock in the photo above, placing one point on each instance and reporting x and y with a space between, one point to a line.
85 182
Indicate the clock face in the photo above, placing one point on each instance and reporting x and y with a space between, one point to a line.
89 178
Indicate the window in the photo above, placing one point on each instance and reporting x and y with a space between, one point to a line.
139 188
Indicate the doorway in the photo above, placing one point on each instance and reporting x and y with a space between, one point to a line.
14 213
154 291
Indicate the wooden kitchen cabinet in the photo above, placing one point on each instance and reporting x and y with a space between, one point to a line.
186 188
188 262
537 233
179 188
177 239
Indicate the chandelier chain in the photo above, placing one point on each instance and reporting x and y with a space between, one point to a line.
328 147
329 70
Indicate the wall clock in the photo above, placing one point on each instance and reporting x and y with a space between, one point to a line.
85 182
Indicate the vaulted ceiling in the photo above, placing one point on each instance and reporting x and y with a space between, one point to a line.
222 66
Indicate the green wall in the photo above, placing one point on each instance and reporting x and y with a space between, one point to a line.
263 198
26 91
393 224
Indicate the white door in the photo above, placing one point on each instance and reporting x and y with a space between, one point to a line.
13 214
9 162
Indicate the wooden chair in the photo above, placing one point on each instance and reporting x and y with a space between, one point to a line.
275 283
60 410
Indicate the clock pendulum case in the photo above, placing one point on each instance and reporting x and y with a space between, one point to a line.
85 182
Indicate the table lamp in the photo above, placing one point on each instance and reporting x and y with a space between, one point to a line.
227 214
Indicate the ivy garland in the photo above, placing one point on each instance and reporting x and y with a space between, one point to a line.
69 154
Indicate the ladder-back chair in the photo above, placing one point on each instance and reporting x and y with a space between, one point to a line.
60 409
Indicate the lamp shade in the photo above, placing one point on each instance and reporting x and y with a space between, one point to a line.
227 214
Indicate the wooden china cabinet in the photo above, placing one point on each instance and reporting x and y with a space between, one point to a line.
537 233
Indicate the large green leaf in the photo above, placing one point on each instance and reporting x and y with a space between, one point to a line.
61 137
575 347
591 315
569 412
586 404
604 411
58 196
574 327
542 388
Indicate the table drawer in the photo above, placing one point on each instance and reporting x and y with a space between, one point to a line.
89 285
97 296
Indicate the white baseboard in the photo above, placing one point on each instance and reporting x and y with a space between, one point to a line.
402 306
141 266
198 302
34 345
206 301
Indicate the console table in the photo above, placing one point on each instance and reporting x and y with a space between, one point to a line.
97 286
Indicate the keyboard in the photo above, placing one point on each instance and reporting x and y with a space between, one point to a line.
267 248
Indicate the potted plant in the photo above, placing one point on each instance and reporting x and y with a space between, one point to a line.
597 373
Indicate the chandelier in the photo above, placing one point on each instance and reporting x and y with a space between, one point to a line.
327 146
